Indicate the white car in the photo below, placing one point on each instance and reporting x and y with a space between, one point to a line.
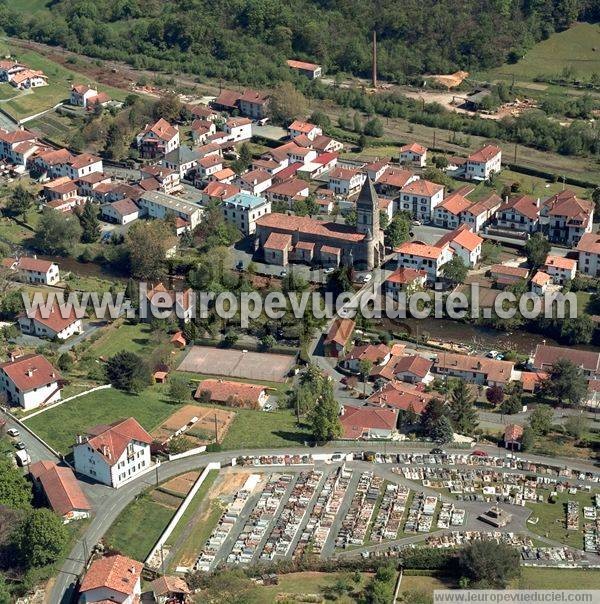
13 432
416 223
329 270
367 278
268 407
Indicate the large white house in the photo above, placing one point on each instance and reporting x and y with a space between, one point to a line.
244 209
346 181
59 323
422 257
113 454
483 162
589 254
155 204
30 381
420 198
32 270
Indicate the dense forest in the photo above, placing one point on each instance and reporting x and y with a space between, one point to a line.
249 40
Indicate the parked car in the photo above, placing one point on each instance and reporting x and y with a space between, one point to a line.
13 432
20 445
366 278
437 451
479 453
268 407
328 270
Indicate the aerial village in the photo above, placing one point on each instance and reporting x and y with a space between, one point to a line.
437 441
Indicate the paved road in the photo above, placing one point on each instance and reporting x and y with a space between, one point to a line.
34 447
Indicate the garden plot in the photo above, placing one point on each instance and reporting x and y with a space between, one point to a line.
200 424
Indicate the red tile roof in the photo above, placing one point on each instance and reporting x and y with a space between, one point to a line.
340 331
422 187
405 275
227 98
369 352
400 395
455 204
305 225
414 148
30 371
523 204
16 136
301 65
299 126
513 433
546 355
589 242
251 96
541 278
485 154
421 250
289 188
395 178
112 439
59 317
61 487
125 207
223 391
467 239
164 586
116 572
415 364
278 241
26 263
513 271
162 129
83 160
358 420
566 264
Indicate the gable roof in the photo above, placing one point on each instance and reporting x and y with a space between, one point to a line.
523 204
485 154
27 263
513 271
227 98
406 275
125 207
422 187
294 64
278 241
413 148
546 355
414 364
369 352
467 239
513 432
485 205
162 129
568 205
566 264
590 243
60 486
59 317
455 204
401 395
421 250
30 371
356 420
394 177
117 572
340 331
111 440
493 369
300 126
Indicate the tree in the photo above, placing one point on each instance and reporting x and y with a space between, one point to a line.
65 361
537 249
441 431
364 367
566 383
267 342
374 127
15 491
494 395
398 230
41 538
148 262
57 233
127 371
511 405
488 564
462 412
455 270
179 390
90 224
180 444
528 439
324 417
20 201
490 252
576 426
540 420
5 595
434 409
357 123
577 330
287 104
167 107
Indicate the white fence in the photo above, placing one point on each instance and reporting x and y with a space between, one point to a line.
189 453
65 400
179 513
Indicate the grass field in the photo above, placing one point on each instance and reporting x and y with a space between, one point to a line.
575 48
60 81
120 337
60 425
139 526
552 519
558 578
259 429
30 6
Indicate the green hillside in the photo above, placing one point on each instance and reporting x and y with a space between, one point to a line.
249 40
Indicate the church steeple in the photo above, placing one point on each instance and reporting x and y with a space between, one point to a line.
367 209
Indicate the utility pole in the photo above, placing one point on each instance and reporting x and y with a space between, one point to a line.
156 473
216 430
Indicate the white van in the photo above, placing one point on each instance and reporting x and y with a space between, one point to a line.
22 458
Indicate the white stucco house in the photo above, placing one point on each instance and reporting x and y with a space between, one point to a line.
113 454
112 579
57 323
30 381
